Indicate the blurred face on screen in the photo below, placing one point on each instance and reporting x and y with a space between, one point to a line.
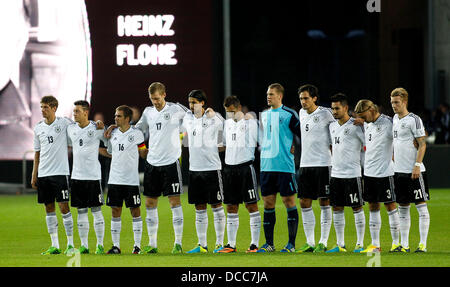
196 106
158 100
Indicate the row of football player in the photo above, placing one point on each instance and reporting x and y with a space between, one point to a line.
334 178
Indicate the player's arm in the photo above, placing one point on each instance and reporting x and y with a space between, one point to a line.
143 151
103 152
34 174
422 146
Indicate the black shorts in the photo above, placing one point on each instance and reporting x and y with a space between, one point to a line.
410 190
239 184
314 182
117 194
86 193
165 180
282 182
346 192
205 187
379 189
53 188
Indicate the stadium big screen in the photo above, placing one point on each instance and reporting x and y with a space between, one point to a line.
106 52
135 43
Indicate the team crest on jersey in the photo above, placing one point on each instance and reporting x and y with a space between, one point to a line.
167 116
378 129
346 131
316 119
205 125
58 129
131 138
242 128
403 126
90 133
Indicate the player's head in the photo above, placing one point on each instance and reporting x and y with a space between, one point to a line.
157 94
339 106
399 100
81 111
197 101
275 93
366 110
309 96
233 107
123 116
49 105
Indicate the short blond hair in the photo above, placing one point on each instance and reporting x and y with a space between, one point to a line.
278 87
400 92
364 105
156 87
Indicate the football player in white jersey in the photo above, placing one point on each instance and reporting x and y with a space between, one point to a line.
51 172
378 173
410 177
315 165
345 183
205 178
86 189
125 146
240 185
162 171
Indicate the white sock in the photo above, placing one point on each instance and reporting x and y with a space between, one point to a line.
152 221
309 224
394 223
177 221
201 225
360 224
232 228
52 227
83 226
375 227
255 227
137 231
116 226
339 226
325 224
424 222
405 224
219 224
68 226
99 224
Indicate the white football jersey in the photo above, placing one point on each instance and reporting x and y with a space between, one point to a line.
315 137
204 137
123 147
85 143
405 130
51 142
163 127
347 143
379 148
240 139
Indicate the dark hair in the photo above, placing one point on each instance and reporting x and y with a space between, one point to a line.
341 98
127 111
231 101
311 89
83 104
50 100
199 95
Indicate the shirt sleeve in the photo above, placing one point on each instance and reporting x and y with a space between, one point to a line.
253 132
36 142
418 129
294 124
142 124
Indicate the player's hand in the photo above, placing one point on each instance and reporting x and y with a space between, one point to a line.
210 113
292 149
34 182
416 172
249 116
358 122
100 125
107 133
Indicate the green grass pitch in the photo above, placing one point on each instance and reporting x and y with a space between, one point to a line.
23 236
